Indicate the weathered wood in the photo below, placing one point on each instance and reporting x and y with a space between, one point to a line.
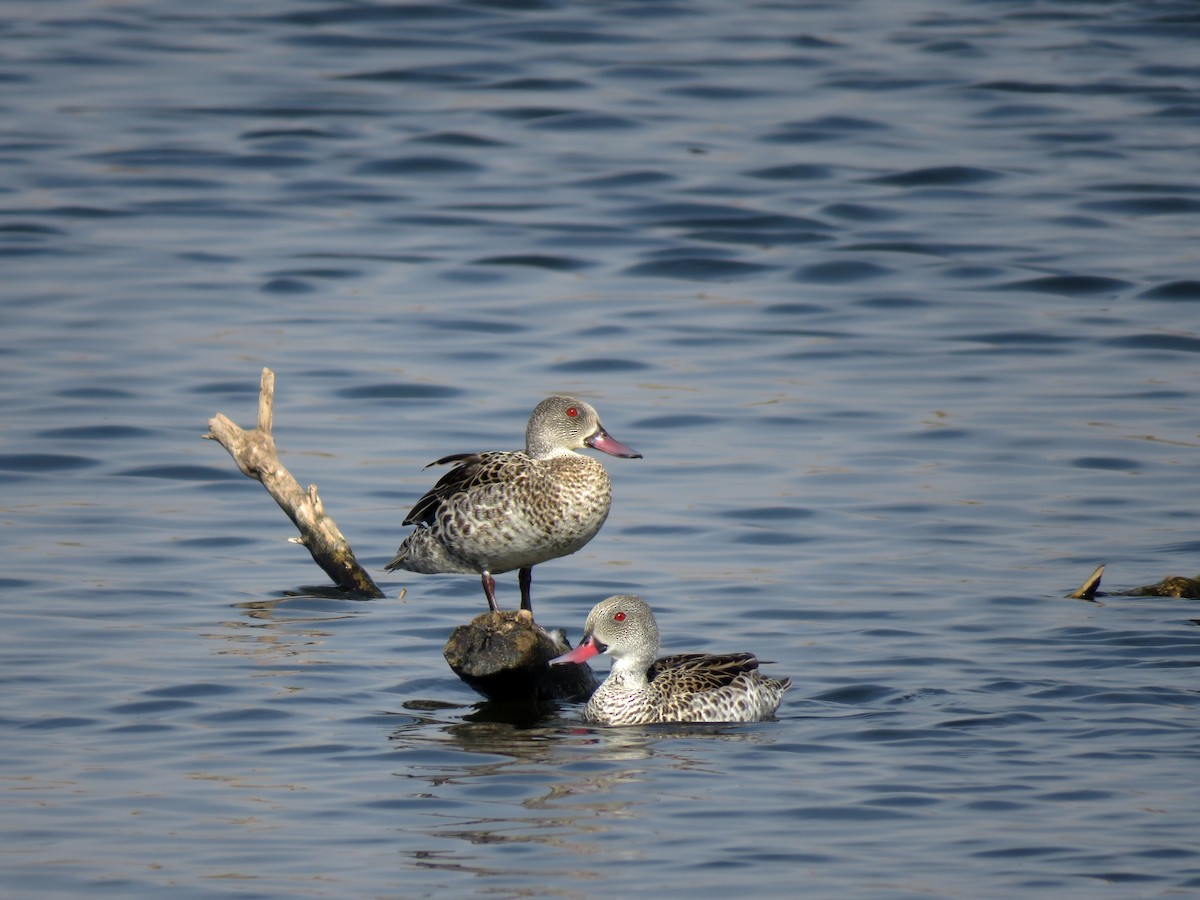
1171 586
1087 590
506 656
255 454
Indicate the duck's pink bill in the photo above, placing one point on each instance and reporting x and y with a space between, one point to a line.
584 651
603 442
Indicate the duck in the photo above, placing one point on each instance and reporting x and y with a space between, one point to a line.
500 510
685 687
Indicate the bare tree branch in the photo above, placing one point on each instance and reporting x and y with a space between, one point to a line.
255 454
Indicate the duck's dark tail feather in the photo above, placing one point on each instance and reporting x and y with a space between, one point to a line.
401 555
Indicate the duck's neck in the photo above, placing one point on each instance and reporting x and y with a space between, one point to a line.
543 451
630 671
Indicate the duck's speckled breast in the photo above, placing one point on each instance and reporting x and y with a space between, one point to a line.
568 501
539 510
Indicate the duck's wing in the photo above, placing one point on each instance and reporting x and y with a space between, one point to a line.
472 471
701 671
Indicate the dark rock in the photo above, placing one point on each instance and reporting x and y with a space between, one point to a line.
506 656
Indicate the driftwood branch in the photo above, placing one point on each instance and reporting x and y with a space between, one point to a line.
1091 584
255 454
1171 586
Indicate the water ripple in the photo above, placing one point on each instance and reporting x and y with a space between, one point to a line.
584 121
939 176
1169 342
418 166
181 472
846 271
600 365
1173 290
1145 206
536 261
697 268
399 391
1069 285
44 462
823 128
793 172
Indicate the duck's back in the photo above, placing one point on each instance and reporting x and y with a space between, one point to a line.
476 478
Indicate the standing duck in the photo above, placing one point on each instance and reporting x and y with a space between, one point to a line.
686 687
502 510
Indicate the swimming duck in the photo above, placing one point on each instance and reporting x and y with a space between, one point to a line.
686 687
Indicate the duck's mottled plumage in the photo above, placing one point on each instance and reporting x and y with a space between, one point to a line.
502 510
684 687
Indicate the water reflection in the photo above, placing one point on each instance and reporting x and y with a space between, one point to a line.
572 790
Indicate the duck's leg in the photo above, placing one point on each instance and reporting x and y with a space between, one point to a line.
489 588
525 577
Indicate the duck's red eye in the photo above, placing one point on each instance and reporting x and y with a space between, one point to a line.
572 412
619 617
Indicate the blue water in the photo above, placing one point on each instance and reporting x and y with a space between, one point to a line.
897 298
